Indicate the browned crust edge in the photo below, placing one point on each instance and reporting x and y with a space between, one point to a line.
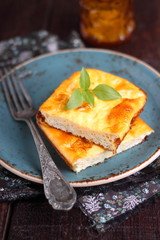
40 119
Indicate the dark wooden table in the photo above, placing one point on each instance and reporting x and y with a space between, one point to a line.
35 219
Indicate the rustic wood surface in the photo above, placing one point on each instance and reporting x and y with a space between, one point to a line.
35 219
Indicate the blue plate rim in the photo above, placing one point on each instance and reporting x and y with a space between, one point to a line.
116 177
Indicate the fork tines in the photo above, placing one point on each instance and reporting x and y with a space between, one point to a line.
16 95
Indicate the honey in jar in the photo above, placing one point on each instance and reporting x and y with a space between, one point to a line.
106 22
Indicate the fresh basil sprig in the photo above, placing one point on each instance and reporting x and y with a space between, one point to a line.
84 94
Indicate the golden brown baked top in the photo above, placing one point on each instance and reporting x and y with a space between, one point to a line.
110 117
73 148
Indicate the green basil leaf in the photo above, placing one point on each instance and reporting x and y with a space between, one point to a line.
88 97
84 79
75 100
105 92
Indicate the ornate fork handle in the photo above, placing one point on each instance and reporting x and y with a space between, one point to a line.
57 190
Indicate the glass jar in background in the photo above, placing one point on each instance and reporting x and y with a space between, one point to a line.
106 22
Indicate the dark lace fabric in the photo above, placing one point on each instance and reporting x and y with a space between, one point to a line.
104 205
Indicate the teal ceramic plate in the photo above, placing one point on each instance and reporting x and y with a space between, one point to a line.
43 74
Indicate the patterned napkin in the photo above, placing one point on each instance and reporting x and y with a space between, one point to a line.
104 205
111 203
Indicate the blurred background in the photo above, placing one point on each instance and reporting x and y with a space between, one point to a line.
60 17
19 17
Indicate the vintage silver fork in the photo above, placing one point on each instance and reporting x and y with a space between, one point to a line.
57 190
